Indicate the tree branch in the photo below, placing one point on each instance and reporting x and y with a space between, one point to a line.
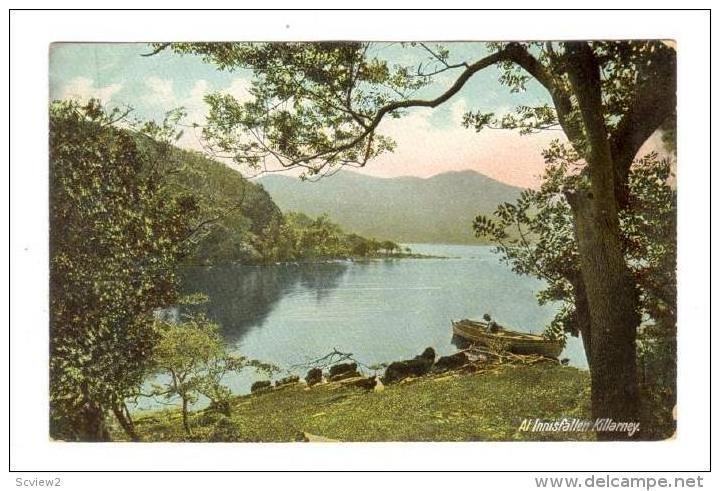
220 216
394 106
519 55
654 102
446 65
161 47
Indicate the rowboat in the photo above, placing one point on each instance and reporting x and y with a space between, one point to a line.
520 343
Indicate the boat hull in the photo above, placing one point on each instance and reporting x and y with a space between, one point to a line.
514 342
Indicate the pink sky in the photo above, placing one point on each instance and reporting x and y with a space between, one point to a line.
424 150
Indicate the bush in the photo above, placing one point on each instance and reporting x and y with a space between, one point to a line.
313 377
260 385
225 430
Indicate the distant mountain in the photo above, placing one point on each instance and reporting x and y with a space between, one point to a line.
439 209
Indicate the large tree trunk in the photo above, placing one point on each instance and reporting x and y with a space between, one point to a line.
89 425
612 306
611 291
92 427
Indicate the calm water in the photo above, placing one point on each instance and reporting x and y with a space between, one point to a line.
380 311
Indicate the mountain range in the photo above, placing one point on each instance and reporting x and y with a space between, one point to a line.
437 209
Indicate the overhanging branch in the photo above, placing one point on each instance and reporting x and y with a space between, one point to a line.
409 103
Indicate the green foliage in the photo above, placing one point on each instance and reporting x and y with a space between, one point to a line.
649 231
237 220
535 237
544 247
651 245
126 209
316 238
628 68
344 83
317 106
115 239
192 355
657 369
233 213
301 238
225 430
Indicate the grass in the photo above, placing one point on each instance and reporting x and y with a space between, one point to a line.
479 406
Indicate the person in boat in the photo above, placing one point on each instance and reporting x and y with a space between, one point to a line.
492 326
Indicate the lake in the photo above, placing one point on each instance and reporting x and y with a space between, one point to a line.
379 310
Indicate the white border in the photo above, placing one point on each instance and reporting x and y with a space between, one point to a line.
32 32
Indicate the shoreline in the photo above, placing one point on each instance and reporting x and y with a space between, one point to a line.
458 405
336 260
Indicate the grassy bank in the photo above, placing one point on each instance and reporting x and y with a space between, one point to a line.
488 405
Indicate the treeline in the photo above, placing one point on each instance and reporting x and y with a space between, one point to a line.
298 237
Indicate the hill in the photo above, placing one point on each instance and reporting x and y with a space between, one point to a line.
234 214
238 220
438 209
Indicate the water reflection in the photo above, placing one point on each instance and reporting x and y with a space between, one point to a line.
381 310
242 297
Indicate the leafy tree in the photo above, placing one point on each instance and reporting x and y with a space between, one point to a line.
389 246
359 246
115 239
535 236
318 106
192 355
299 237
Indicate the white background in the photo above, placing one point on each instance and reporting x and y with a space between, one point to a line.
30 449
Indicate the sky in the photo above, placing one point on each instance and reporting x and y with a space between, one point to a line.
429 141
